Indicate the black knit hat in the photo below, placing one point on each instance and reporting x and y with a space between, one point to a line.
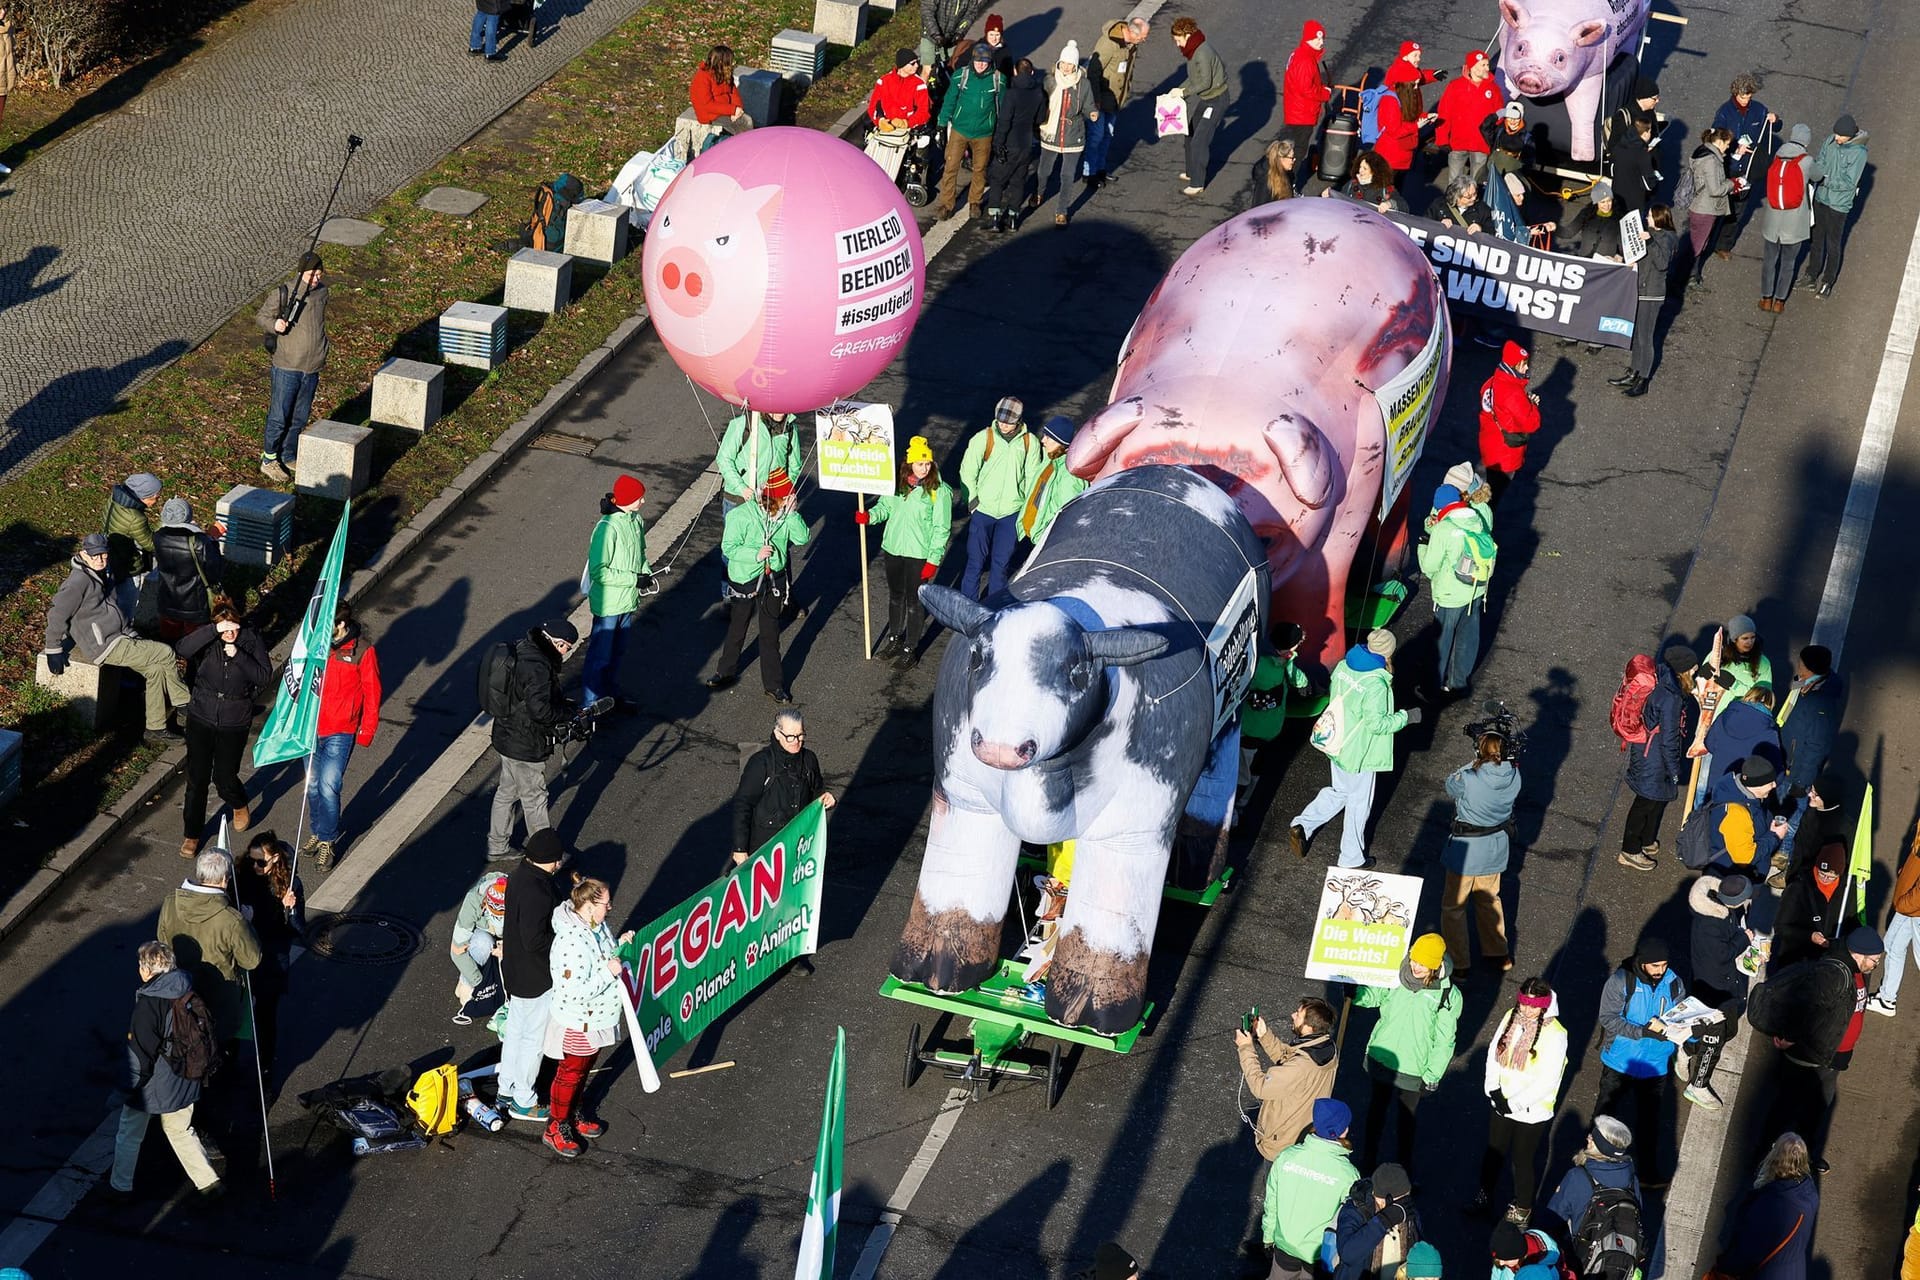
1509 1243
904 57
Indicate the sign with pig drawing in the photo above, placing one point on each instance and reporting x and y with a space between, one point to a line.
854 445
1363 927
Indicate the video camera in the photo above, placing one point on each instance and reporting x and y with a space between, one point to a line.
1503 724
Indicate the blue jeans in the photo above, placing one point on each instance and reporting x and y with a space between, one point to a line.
471 961
1459 643
487 25
1902 936
1099 136
991 539
289 404
520 1046
325 774
606 645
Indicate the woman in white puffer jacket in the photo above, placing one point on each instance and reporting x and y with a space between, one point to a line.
1526 1063
584 1015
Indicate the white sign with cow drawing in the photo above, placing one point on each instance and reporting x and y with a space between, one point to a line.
1363 927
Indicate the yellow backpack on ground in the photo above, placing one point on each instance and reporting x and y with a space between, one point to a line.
435 1100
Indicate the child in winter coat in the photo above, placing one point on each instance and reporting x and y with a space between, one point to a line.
1412 1044
919 520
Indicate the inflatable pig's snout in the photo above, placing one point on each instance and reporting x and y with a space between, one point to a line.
999 755
688 280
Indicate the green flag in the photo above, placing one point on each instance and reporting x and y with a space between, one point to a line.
1862 867
817 1236
295 718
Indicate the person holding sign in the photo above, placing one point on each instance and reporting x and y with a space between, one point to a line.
919 519
756 543
996 474
1412 1044
1055 486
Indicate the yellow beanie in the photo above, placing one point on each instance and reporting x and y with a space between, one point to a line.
1429 950
918 450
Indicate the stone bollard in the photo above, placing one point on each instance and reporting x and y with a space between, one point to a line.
92 692
406 393
763 94
259 524
799 56
842 22
335 459
473 334
539 281
690 136
597 231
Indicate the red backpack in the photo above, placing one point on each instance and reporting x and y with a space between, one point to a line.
1786 184
1630 702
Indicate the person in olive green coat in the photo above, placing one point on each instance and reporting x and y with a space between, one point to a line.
919 519
755 543
617 576
212 942
1053 485
1412 1044
996 475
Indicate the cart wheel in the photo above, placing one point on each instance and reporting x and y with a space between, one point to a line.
1053 1077
910 1070
917 194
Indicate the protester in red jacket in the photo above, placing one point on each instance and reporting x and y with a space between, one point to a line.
1509 415
1405 69
716 99
901 95
1304 92
1398 118
349 714
1463 108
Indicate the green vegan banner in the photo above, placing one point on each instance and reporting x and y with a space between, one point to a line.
704 956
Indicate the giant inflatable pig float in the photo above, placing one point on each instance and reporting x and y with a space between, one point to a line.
1271 358
1563 50
1085 710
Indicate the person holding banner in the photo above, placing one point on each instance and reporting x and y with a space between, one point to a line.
584 1016
1662 244
1371 184
756 543
919 520
1594 232
777 782
1412 1044
227 665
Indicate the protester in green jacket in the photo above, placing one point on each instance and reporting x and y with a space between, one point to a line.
1356 734
919 520
1263 712
212 942
746 458
1053 485
1305 1188
1412 1044
755 543
968 110
617 576
1458 558
1839 167
127 526
996 475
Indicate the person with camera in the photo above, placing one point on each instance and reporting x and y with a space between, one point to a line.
524 729
294 320
1301 1074
1484 793
227 664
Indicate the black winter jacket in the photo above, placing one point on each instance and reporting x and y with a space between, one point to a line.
526 943
1805 911
223 687
534 705
154 1086
189 566
774 787
1014 131
1719 937
1654 769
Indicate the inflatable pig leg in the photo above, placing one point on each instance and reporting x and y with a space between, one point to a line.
952 938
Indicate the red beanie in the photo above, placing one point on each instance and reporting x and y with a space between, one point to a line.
1512 354
1407 47
996 23
1474 58
1312 30
628 490
779 484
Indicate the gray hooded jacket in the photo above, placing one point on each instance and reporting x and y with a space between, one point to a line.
1790 226
84 608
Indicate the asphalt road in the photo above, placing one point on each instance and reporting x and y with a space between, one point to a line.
1717 493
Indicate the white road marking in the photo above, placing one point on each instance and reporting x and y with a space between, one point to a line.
917 1170
65 1189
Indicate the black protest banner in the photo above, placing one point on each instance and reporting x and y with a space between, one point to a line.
1589 299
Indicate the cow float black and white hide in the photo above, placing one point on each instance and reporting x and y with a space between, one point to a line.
1085 709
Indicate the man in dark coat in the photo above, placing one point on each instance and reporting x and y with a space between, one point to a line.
534 888
1812 716
1820 1042
523 734
1719 938
1814 909
779 780
1015 133
154 1088
1654 767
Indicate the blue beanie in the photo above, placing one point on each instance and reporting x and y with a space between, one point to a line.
1331 1117
1445 496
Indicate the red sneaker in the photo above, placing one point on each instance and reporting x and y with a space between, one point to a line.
586 1127
561 1139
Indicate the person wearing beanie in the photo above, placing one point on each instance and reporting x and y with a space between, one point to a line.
1115 60
1637 1048
1655 763
535 887
129 528
1837 169
293 319
1073 111
1737 827
1524 1253
349 717
1509 416
1594 231
1015 133
1412 1043
1458 558
997 472
187 568
1304 94
1607 1160
1054 486
1464 110
968 109
1355 733
750 448
1405 68
617 576
1822 1028
1205 90
1632 133
1903 932
1819 818
1292 1090
1423 1263
1304 1190
86 612
1112 1262
1526 1065
477 931
756 542
1786 215
1263 712
1720 937
918 516
524 727
899 99
1814 908
1377 1225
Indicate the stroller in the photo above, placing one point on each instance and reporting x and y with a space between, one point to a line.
902 156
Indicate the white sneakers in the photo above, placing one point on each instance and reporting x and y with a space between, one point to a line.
1882 1006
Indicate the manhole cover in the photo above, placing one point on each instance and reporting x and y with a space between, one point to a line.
562 442
364 938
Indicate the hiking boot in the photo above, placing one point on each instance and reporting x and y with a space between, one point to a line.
587 1127
562 1140
1518 1214
323 854
1624 380
1637 861
1637 388
242 818
189 848
165 736
1297 840
307 846
1702 1096
536 1112
1881 1005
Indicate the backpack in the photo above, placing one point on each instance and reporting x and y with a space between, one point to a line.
1369 114
547 227
1786 184
1628 713
189 1047
1785 1003
1610 1240
1695 841
496 679
434 1100
1477 553
1683 193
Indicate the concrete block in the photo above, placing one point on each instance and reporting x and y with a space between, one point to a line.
539 281
800 56
690 136
352 232
473 334
93 692
10 743
891 6
597 231
259 524
454 201
842 22
763 94
335 460
407 393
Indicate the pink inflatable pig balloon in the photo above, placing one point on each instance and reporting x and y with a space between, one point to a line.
783 270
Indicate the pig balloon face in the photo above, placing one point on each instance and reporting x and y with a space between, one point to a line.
1554 49
783 270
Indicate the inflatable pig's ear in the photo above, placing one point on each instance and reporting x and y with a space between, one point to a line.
1124 646
1101 434
1305 459
966 616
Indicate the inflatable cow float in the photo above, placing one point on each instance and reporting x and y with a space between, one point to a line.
1573 56
1086 709
1295 355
